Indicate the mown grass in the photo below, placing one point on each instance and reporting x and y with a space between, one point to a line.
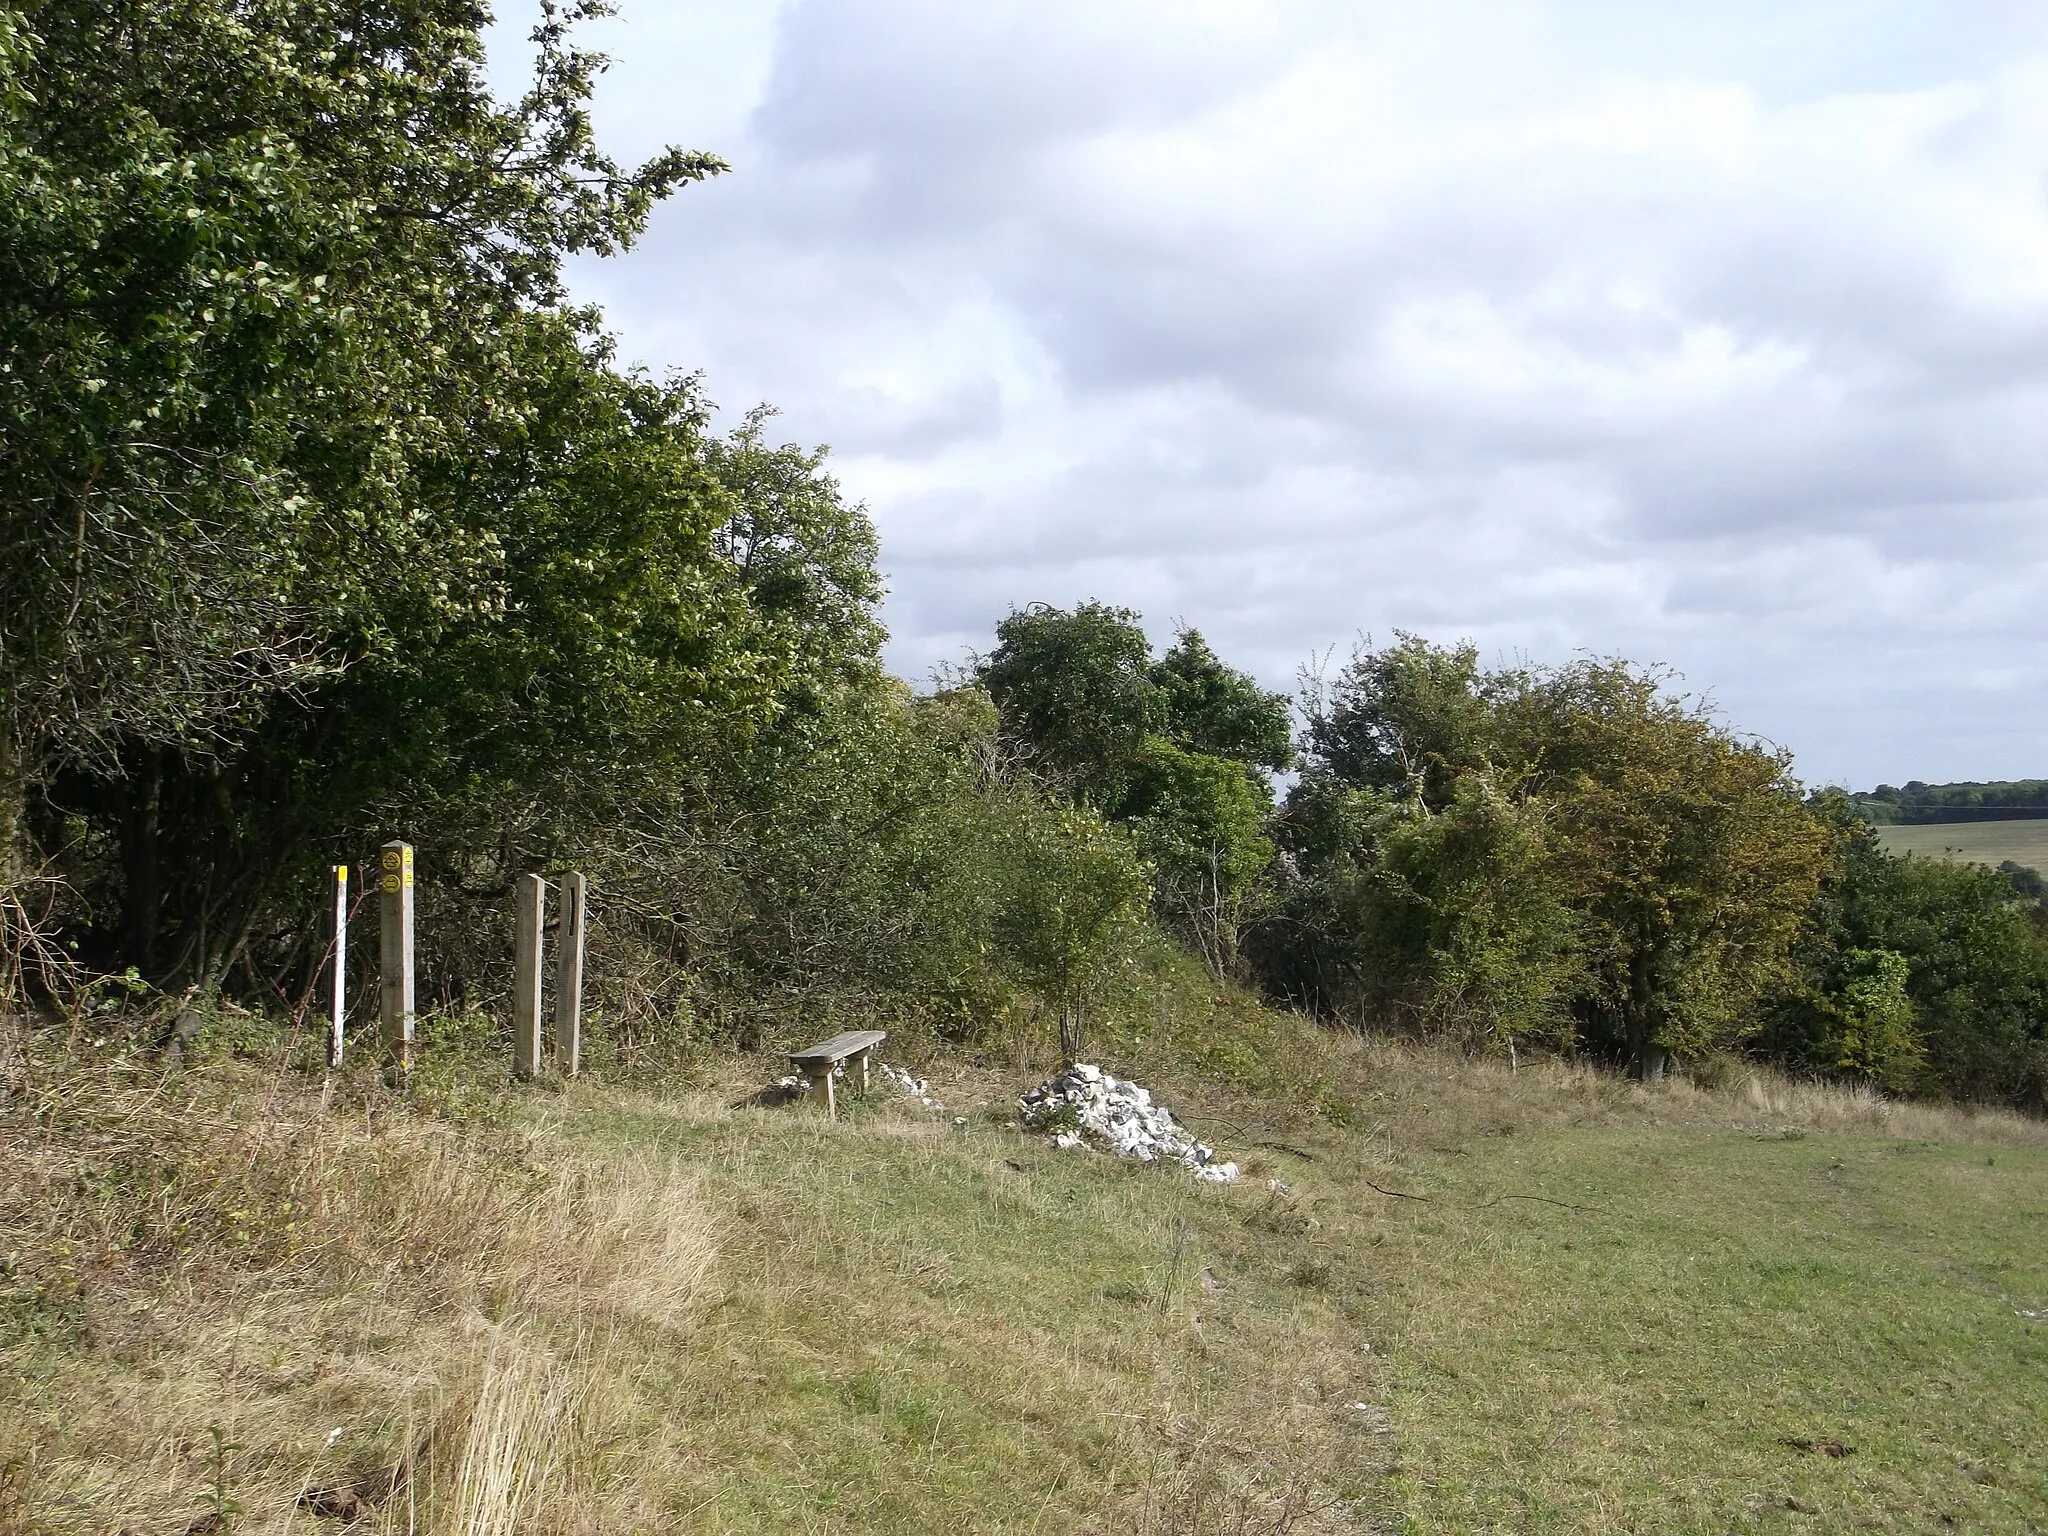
1477 1299
1730 1333
1980 842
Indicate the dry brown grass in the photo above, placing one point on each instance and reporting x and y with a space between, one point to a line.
221 1295
607 1311
1423 1098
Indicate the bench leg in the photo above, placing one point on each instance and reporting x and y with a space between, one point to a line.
863 1074
822 1079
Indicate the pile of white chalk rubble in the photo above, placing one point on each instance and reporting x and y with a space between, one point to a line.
1118 1115
916 1087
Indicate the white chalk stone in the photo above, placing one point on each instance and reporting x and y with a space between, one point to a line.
1121 1116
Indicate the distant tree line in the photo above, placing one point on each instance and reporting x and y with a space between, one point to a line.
329 517
1916 802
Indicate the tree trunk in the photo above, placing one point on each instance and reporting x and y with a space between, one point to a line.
142 864
13 915
13 792
1642 1021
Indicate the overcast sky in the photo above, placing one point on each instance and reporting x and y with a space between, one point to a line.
1706 333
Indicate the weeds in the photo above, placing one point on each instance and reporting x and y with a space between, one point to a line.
208 1248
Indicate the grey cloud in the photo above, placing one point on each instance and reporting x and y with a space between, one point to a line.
1085 312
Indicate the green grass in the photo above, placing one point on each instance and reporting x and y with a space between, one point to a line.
1483 1300
1741 1335
925 1328
1721 1328
1979 842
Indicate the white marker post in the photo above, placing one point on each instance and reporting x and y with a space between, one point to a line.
340 966
569 975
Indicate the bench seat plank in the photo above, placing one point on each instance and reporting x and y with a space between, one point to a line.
839 1047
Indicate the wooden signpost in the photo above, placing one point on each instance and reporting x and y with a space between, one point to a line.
530 900
394 907
569 975
529 911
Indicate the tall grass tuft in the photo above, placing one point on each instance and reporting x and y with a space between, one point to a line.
227 1257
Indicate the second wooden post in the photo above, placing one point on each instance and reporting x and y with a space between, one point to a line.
569 975
529 914
394 910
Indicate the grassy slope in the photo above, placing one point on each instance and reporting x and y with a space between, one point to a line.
742 1319
1981 842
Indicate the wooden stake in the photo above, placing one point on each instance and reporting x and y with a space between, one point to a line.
529 911
569 976
340 1012
394 904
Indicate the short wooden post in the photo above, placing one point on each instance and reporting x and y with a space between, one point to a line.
569 975
340 1010
529 912
395 935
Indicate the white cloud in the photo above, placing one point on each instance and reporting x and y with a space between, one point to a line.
1715 334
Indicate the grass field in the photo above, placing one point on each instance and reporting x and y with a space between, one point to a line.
1983 842
1455 1298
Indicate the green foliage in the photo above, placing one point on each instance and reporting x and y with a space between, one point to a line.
1221 712
335 519
1405 719
1076 689
269 272
1690 858
1453 922
1472 897
2027 883
1200 821
1082 691
1073 916
1175 750
1917 973
1873 1018
1570 852
884 861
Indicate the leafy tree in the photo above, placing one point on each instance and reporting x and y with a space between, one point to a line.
1949 940
806 562
1477 905
1528 847
1173 749
1220 712
1690 858
280 287
1077 689
1453 922
1074 912
1408 718
2026 880
1862 1020
259 266
1200 821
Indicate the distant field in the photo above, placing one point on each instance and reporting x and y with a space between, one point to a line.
1985 842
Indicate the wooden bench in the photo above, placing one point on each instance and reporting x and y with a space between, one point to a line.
818 1062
